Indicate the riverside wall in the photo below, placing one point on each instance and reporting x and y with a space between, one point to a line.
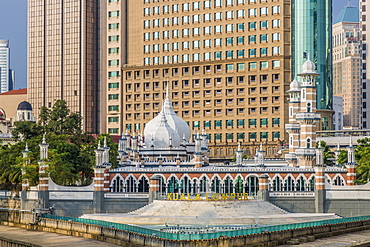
127 238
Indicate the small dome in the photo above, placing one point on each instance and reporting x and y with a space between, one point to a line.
24 106
294 85
308 67
162 136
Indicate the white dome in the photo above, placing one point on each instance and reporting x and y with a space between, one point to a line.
308 67
162 136
294 85
176 123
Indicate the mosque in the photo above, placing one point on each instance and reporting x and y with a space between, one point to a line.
169 159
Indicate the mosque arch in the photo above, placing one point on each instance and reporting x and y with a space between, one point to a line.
228 184
301 183
172 184
216 184
185 184
308 142
162 183
251 185
203 184
277 183
130 184
117 183
143 184
338 181
311 183
239 184
289 183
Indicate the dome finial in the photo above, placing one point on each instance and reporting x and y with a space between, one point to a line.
167 91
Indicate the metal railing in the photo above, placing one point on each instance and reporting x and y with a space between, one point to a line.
199 236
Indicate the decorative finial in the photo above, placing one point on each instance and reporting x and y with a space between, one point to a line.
239 149
105 141
319 144
261 149
123 134
26 147
99 144
44 138
350 141
167 91
126 131
338 146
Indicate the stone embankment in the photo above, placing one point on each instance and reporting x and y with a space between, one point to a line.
127 238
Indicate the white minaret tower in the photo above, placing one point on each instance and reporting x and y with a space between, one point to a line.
307 116
239 156
293 127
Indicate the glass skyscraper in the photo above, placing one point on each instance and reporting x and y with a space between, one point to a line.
311 24
6 74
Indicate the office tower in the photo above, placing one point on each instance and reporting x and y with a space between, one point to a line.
63 52
227 64
365 37
6 74
311 36
347 65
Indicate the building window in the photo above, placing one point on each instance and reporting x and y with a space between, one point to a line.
264 64
112 119
112 96
252 122
218 123
229 123
241 136
207 124
113 130
276 121
252 135
218 136
113 108
230 136
264 135
113 26
252 65
264 121
276 135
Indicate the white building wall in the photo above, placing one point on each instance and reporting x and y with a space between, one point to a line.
338 115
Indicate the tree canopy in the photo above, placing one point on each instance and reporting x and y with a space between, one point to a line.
71 151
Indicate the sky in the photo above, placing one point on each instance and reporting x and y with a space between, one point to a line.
13 26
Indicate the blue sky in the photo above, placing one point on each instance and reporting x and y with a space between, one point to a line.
13 26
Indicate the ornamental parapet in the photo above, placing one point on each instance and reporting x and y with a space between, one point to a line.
305 151
308 116
290 156
292 127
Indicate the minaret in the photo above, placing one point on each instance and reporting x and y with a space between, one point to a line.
293 127
261 157
198 156
106 152
43 175
307 117
25 184
122 154
336 154
351 164
239 156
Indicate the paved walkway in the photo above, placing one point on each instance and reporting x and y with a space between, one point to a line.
47 238
348 239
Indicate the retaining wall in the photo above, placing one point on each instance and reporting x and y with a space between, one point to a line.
126 238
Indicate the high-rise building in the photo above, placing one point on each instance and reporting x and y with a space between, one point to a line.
63 56
347 65
365 38
311 37
227 64
6 74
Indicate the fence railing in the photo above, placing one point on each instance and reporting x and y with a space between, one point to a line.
198 236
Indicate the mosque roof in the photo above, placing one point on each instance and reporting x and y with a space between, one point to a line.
348 14
25 106
15 92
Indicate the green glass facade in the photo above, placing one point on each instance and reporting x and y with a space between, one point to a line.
311 34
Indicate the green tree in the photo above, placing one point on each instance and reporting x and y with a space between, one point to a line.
59 120
26 130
